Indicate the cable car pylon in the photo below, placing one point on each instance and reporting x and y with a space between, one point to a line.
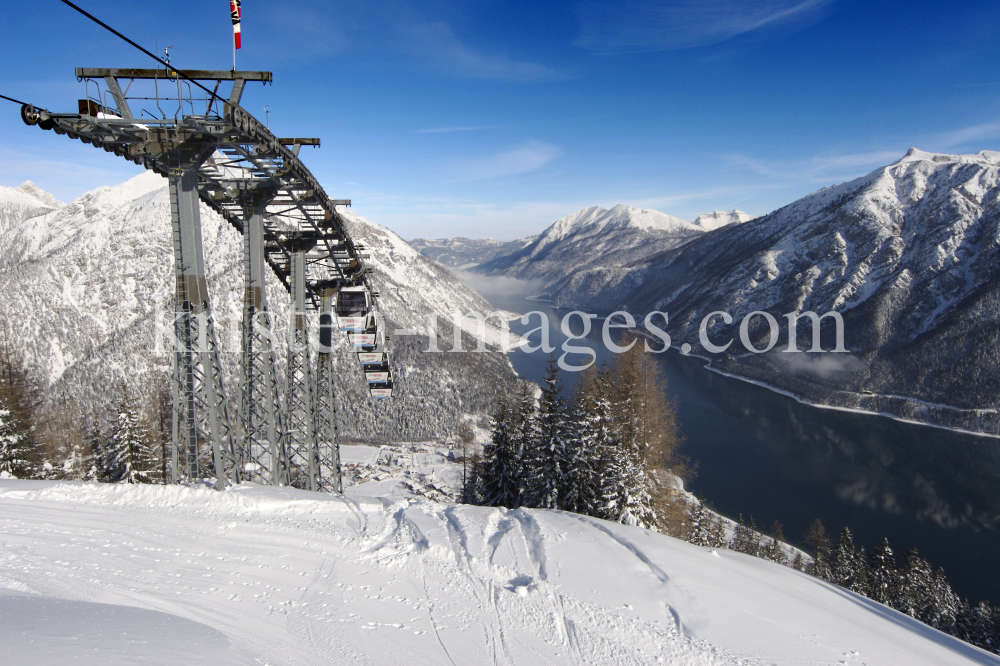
214 152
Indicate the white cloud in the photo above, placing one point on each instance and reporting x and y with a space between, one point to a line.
529 156
647 25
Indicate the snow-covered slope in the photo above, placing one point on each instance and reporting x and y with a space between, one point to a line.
467 252
720 218
280 576
909 254
81 288
593 237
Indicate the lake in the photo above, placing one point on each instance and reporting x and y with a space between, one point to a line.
764 454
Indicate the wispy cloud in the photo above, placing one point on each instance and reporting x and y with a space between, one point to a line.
436 43
400 32
448 130
529 156
967 135
818 168
648 25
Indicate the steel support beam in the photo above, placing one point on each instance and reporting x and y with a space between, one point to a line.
265 460
300 406
327 442
201 412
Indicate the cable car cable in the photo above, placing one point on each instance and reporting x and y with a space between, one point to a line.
11 99
154 57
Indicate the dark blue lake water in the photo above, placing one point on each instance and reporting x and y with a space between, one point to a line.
764 454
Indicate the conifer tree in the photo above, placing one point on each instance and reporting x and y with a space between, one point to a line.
945 604
718 537
816 537
15 453
701 525
861 572
579 489
741 536
883 578
842 568
916 591
774 549
646 423
18 399
754 538
98 445
128 458
545 449
498 475
799 562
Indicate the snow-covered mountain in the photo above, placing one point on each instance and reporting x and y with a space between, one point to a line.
20 203
909 255
590 237
467 252
98 574
83 286
593 237
720 218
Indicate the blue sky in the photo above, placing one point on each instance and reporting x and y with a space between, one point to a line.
496 118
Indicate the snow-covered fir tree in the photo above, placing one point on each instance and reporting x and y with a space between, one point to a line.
498 476
944 609
701 525
741 536
127 458
547 444
579 483
18 455
15 451
842 569
916 588
883 578
772 549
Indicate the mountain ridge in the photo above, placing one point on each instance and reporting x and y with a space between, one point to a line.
82 286
909 255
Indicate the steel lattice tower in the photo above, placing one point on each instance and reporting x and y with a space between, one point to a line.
201 413
214 153
300 405
327 444
260 430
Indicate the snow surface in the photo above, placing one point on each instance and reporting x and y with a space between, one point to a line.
281 576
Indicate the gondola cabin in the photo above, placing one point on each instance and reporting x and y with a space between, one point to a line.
353 309
372 358
380 391
378 374
365 339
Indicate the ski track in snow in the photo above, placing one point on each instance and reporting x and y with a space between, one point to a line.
280 576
